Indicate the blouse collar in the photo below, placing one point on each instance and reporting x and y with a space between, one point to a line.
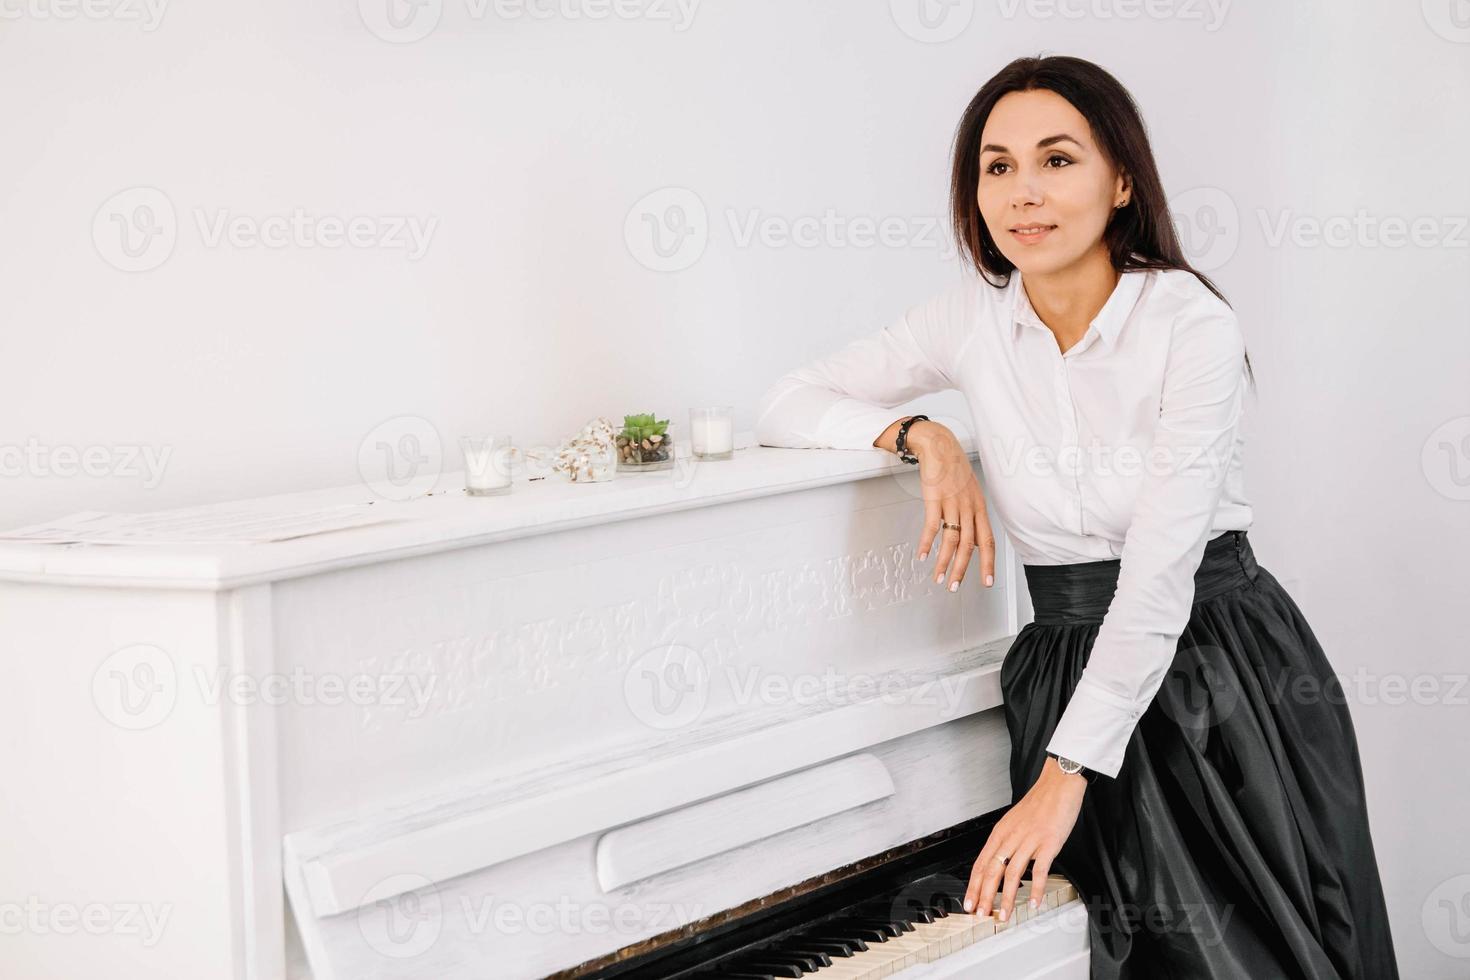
1109 320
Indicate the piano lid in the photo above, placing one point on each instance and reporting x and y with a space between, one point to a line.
444 517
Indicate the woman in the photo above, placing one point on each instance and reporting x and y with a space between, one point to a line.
1180 749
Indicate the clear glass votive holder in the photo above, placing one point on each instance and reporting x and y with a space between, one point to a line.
487 464
712 432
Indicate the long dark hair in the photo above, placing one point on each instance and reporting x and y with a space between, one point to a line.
1140 235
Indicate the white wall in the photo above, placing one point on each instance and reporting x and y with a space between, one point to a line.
1362 458
522 146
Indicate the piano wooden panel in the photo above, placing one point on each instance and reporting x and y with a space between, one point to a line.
546 650
425 729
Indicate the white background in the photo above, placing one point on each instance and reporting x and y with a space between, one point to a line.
525 139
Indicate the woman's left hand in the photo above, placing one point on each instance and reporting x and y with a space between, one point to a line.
1033 830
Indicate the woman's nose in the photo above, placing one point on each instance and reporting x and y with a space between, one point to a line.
1026 190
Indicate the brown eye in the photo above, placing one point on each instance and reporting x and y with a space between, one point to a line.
1058 156
991 169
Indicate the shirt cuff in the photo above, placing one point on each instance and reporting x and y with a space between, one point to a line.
854 424
1095 728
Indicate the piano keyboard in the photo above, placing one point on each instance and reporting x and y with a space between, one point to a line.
922 923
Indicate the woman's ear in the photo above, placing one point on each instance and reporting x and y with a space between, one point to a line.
1123 191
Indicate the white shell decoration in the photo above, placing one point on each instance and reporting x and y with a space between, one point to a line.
591 455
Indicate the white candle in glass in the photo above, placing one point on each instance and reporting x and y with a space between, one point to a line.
712 432
487 464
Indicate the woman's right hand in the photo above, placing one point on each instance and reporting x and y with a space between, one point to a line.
952 495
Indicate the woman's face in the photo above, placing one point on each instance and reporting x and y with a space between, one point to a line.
1046 190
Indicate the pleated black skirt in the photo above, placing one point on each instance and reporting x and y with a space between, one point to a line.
1234 842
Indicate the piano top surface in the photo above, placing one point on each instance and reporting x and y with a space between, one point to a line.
443 520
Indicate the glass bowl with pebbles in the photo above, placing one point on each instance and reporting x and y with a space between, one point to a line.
644 444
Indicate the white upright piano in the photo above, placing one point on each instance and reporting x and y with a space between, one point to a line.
557 732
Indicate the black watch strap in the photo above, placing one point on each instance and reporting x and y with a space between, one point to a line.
1084 772
902 442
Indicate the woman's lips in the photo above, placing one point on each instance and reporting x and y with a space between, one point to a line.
1027 237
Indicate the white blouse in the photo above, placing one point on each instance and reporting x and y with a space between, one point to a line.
1127 446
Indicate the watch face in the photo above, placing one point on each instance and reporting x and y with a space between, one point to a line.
1068 765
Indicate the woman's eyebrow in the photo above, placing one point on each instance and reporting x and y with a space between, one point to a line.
1040 145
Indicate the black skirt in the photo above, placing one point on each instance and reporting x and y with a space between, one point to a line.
1234 842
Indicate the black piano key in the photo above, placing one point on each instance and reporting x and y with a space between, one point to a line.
888 926
813 951
948 899
911 910
849 943
920 912
928 905
847 930
939 904
803 958
768 967
776 954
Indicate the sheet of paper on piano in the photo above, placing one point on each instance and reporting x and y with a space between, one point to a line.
198 525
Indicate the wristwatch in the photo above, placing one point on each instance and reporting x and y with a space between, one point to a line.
902 442
1069 766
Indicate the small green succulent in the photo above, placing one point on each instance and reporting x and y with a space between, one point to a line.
637 428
